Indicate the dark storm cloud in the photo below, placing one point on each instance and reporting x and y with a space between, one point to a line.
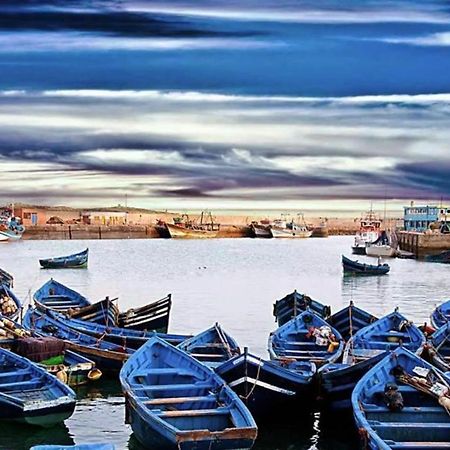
102 20
196 146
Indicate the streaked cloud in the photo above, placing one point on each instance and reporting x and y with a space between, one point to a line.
161 147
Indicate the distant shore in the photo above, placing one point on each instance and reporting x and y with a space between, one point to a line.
231 227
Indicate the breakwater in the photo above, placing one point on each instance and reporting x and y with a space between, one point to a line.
336 227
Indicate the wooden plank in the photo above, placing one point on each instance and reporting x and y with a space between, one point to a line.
195 412
175 400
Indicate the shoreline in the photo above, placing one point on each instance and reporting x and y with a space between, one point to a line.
237 228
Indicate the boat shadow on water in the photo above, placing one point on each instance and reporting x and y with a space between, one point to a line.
30 436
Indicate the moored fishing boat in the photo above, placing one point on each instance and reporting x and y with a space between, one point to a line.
150 317
369 231
382 247
183 227
261 230
349 320
438 348
31 395
281 228
356 268
295 303
55 295
268 386
212 346
321 231
50 353
441 314
75 261
402 403
363 350
387 333
107 356
10 228
120 336
307 337
10 305
174 401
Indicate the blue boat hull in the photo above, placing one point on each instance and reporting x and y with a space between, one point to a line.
151 437
55 295
356 268
441 315
76 261
422 423
265 387
294 304
337 381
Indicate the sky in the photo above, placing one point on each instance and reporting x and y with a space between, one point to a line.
250 104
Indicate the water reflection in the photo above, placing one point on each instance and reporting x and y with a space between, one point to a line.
14 436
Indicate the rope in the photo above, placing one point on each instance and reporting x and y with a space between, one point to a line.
246 397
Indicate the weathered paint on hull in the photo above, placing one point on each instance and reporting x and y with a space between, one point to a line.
290 234
183 233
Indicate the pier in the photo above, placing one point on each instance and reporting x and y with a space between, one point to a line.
422 244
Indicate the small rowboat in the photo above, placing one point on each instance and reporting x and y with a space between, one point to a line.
295 303
175 402
306 337
356 268
6 279
10 305
76 261
385 334
152 317
68 366
441 315
438 348
349 320
29 394
268 386
120 336
212 346
97 446
365 349
55 295
107 356
400 404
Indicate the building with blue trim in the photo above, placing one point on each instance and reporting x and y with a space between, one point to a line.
419 218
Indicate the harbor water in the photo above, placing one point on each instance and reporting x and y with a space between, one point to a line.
230 281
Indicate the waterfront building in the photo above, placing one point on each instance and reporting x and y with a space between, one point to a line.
420 218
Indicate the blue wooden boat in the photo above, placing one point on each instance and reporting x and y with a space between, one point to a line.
120 336
268 386
212 346
29 394
10 305
396 405
68 366
356 268
107 356
365 349
150 317
55 295
385 334
304 339
96 446
75 261
349 320
294 304
441 315
6 279
175 402
438 348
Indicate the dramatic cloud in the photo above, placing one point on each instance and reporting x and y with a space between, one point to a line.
161 147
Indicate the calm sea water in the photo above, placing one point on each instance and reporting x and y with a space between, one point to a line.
234 282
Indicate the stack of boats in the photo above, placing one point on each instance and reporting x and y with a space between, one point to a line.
285 228
203 391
